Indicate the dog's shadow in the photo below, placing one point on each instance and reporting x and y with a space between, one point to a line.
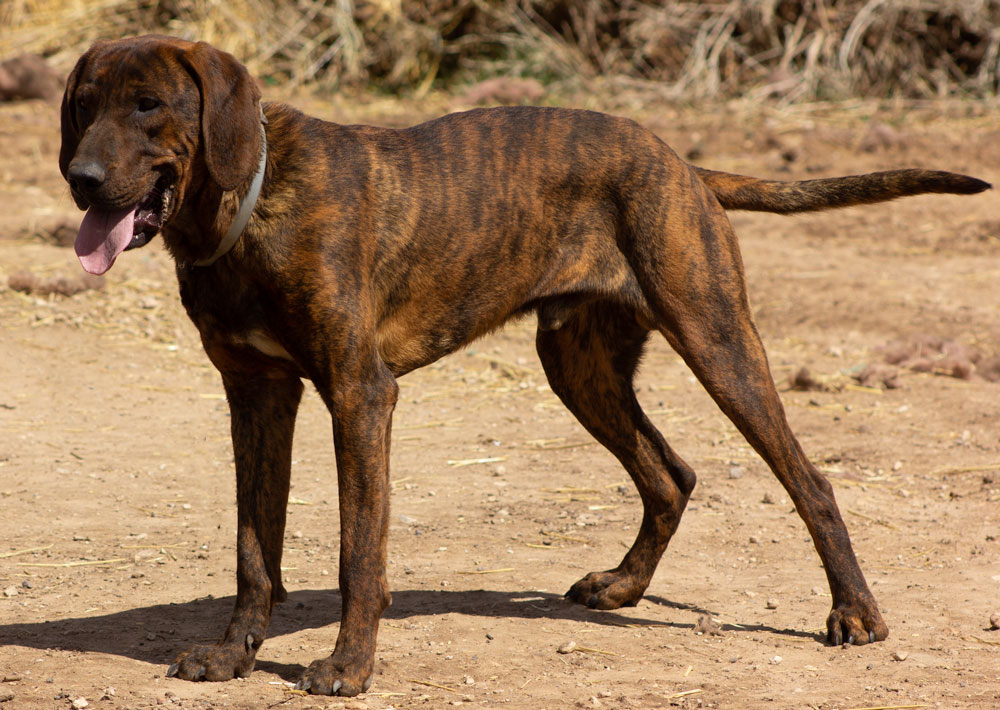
154 634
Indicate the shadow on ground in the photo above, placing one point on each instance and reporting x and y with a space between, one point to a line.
155 634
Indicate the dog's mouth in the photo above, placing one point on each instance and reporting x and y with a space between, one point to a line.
107 232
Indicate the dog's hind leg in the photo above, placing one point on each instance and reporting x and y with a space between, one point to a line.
692 278
263 419
590 362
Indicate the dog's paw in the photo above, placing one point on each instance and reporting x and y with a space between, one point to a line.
856 625
607 590
329 676
215 663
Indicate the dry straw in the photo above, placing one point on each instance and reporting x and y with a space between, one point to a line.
785 49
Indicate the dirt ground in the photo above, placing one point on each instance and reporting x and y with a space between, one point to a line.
117 492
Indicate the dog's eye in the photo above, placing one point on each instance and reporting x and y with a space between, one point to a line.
147 104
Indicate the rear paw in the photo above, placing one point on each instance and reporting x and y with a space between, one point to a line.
328 676
855 625
215 663
607 590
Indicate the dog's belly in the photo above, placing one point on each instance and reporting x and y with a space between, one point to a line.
430 325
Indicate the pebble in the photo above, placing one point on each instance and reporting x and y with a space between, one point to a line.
6 695
10 591
567 647
356 705
776 660
80 703
26 583
407 520
899 655
772 603
995 620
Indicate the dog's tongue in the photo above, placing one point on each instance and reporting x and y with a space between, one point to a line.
103 235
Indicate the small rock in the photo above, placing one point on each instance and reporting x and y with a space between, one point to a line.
12 678
151 636
899 655
297 535
772 603
6 695
80 703
407 520
26 583
356 705
707 625
735 472
567 647
490 637
505 90
10 591
995 621
767 499
776 660
469 680
803 381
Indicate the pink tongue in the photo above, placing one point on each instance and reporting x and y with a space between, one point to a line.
103 235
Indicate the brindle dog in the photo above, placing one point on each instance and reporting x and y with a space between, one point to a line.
370 252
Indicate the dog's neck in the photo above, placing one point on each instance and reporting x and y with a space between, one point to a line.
247 204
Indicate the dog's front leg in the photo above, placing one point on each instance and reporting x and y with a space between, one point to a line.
362 417
263 417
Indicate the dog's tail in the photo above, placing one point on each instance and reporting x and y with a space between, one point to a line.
739 192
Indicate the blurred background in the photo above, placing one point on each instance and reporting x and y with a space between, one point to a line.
782 50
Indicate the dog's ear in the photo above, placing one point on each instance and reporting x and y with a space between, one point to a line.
70 127
230 118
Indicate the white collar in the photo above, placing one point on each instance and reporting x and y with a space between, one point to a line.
246 205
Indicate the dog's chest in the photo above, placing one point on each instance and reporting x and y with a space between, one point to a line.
233 321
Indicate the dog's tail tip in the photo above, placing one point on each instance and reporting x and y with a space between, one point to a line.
967 185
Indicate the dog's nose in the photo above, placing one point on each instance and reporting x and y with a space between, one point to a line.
86 176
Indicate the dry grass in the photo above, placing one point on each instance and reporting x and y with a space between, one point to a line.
784 49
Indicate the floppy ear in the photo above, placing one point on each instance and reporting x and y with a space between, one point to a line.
229 115
70 129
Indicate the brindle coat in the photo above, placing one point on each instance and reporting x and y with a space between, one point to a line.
372 252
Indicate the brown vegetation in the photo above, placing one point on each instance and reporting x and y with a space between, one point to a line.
786 49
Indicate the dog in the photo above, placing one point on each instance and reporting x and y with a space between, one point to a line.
351 255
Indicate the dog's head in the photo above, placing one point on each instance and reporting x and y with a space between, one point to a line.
143 119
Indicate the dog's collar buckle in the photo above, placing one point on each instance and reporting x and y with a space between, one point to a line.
247 204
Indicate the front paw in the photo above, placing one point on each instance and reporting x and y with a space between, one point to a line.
215 663
332 676
855 624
